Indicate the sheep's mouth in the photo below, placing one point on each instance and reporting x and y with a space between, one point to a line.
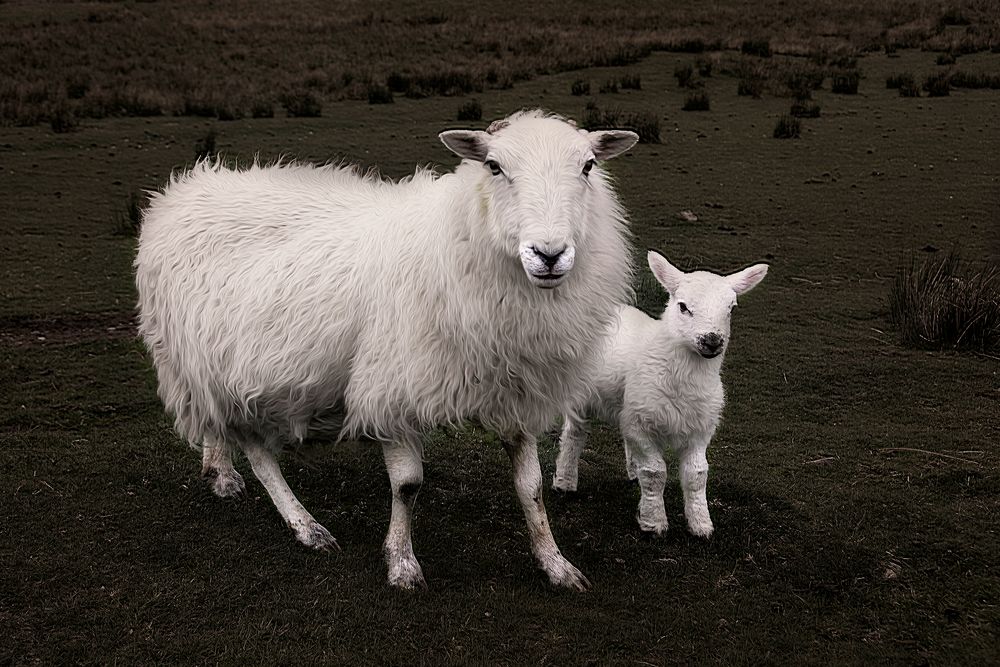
709 355
547 280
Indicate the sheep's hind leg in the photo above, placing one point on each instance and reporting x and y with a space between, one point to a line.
403 461
523 453
571 444
307 530
694 480
217 469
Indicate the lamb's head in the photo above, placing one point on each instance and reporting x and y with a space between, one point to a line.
701 302
540 179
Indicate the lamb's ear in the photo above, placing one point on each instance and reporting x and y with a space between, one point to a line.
612 143
666 273
745 280
471 144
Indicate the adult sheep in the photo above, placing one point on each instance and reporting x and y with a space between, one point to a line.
291 300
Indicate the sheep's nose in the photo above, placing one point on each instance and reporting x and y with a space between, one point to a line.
550 257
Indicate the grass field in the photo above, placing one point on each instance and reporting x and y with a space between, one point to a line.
855 483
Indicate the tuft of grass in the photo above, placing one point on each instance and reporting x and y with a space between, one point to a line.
470 110
961 79
630 81
685 76
379 94
899 80
946 302
62 118
788 127
646 125
750 86
580 88
846 83
756 47
261 109
205 146
696 102
938 85
302 104
609 86
128 220
705 67
946 59
805 109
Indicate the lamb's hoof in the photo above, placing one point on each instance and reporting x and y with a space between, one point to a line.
405 574
315 536
563 485
563 574
702 530
225 484
653 528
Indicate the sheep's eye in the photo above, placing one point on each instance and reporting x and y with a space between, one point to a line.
494 167
588 166
684 308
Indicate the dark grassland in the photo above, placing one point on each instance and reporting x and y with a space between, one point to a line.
855 482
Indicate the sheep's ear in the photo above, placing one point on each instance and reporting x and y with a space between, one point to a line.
470 144
612 143
745 280
666 273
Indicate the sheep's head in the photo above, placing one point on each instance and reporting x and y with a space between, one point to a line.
701 303
539 178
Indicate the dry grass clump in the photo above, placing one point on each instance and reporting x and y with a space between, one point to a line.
129 219
788 127
470 110
696 102
946 302
646 125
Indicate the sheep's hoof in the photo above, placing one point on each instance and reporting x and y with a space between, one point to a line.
563 574
702 530
225 484
405 574
653 528
563 485
315 536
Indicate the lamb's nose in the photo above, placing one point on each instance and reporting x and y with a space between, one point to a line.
712 342
550 257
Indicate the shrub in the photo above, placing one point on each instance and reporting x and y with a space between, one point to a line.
379 94
788 127
938 85
756 47
945 59
205 147
803 109
685 75
580 87
302 104
696 102
945 302
261 109
630 81
128 220
750 86
470 110
609 86
845 83
899 80
646 125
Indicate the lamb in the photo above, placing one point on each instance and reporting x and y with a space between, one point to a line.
289 301
661 384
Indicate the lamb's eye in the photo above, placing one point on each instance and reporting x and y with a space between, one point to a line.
588 166
494 167
684 308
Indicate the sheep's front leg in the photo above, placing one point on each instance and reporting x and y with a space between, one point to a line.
694 480
217 469
571 444
307 530
646 458
403 460
523 453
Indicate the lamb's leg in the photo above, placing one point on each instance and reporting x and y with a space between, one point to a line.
217 469
571 444
307 530
651 470
694 480
406 475
523 453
